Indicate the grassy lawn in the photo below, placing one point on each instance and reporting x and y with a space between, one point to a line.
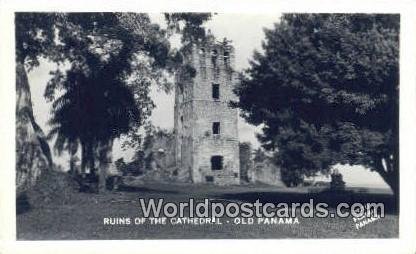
83 218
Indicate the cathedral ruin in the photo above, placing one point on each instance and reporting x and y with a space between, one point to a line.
206 132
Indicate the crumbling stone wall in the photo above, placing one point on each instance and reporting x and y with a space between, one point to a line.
265 172
196 110
160 152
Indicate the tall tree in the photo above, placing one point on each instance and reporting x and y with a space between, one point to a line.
34 38
326 90
105 92
114 59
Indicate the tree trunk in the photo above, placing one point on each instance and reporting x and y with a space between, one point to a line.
33 156
72 165
105 159
392 179
87 157
389 171
83 157
91 158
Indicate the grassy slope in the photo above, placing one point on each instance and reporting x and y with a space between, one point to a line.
83 218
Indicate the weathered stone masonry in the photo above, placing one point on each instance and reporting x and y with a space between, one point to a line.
206 130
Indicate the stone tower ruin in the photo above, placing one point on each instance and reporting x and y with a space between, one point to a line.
205 125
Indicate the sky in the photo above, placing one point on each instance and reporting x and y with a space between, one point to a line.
246 33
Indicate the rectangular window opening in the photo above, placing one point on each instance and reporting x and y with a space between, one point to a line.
216 128
226 57
215 91
216 162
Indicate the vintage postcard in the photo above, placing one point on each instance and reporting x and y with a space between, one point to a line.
283 124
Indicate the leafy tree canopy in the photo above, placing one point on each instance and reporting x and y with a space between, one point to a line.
112 60
325 88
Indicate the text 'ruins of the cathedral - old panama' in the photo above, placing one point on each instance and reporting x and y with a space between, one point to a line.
206 129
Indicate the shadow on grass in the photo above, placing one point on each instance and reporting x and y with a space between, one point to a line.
329 197
125 188
22 204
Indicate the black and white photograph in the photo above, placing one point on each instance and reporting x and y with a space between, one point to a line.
206 125
117 111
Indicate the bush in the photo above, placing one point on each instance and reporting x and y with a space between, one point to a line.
52 188
291 178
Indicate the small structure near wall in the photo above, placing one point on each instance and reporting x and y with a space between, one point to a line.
337 183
